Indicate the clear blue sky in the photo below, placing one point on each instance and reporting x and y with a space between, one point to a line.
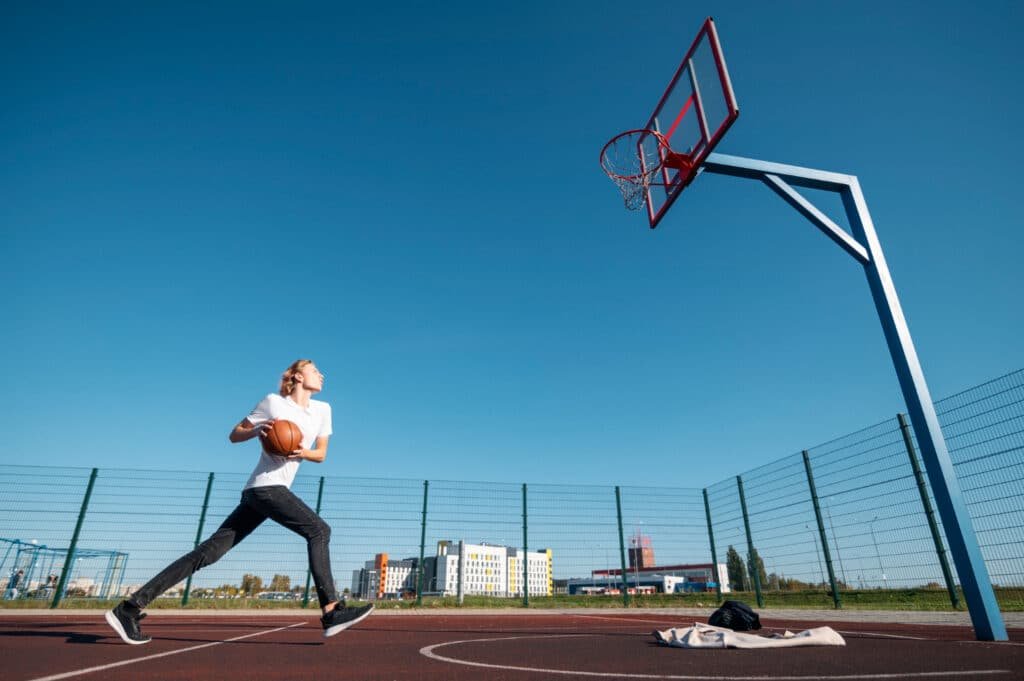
193 196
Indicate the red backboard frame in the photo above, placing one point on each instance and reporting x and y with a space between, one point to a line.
672 179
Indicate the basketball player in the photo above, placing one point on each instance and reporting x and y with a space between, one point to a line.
267 494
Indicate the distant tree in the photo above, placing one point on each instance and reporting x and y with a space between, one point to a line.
226 590
734 566
792 584
251 584
280 583
762 577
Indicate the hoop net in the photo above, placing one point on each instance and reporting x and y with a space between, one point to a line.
632 160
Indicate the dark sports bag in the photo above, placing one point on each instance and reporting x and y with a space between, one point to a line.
736 616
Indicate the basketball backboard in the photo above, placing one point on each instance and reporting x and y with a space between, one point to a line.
654 164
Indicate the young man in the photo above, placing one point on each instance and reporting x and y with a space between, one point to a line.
267 494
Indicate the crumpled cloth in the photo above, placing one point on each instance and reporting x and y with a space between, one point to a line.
707 636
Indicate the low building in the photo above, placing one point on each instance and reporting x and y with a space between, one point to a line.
696 577
383 577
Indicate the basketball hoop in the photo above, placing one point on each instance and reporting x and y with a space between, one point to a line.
633 159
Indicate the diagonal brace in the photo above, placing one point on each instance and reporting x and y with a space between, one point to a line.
819 219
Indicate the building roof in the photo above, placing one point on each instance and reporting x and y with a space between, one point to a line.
655 568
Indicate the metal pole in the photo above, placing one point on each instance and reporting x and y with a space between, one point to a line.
821 531
929 512
984 609
199 535
69 561
622 548
309 573
526 557
714 556
636 561
865 247
817 552
751 551
881 569
839 554
423 541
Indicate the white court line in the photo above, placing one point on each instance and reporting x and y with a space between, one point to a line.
875 634
623 620
99 668
428 651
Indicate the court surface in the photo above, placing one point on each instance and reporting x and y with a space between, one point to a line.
514 645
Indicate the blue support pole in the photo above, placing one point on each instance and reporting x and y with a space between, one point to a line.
866 249
970 565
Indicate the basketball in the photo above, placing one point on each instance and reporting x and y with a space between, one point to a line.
283 438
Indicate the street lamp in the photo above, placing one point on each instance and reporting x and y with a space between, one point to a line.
871 526
817 551
607 572
636 556
835 542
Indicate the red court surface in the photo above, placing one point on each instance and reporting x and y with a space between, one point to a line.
456 647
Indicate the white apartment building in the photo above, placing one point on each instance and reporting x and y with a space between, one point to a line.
491 570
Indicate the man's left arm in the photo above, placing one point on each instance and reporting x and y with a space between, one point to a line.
317 454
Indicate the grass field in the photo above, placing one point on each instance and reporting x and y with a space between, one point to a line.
1010 600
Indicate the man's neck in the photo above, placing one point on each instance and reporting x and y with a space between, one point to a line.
300 396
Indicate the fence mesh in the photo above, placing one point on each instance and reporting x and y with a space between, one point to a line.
984 430
871 531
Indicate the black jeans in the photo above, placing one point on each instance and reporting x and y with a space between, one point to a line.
258 503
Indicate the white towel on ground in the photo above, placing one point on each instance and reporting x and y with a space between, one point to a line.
707 636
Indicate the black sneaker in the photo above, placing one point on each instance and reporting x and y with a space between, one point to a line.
126 624
340 619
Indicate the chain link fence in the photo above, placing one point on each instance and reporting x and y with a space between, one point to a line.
845 518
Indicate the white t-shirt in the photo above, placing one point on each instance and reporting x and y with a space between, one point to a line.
314 421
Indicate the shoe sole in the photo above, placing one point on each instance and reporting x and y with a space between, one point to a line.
331 631
115 624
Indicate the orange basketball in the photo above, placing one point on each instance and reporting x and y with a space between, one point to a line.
283 438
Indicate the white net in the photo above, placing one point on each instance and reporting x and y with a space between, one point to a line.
632 160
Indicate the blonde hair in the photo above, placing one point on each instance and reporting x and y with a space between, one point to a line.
288 378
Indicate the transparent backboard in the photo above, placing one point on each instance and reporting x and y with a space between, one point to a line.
694 113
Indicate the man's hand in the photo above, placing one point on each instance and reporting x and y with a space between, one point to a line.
245 430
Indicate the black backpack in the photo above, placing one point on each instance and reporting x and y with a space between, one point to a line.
736 616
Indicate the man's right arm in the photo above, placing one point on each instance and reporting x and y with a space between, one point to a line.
245 430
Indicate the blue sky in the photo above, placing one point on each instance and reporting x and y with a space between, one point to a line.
409 193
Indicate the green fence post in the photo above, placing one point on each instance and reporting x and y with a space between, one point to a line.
714 556
69 561
622 548
423 541
751 552
929 512
526 557
319 498
199 535
836 600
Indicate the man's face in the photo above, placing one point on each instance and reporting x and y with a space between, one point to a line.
312 379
